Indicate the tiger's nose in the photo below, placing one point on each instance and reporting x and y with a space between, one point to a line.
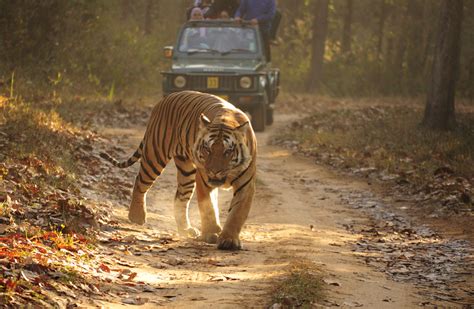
216 182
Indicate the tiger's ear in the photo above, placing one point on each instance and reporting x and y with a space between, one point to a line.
243 127
204 121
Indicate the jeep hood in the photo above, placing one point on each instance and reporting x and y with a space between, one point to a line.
217 65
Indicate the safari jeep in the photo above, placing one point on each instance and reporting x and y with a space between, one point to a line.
224 58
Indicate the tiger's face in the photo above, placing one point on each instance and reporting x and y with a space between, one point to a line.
221 151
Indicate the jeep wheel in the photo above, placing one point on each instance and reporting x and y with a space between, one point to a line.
259 114
269 116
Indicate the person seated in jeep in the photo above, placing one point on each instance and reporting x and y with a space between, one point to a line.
203 5
224 15
196 14
197 38
219 6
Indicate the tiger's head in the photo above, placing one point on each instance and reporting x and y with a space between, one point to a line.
221 149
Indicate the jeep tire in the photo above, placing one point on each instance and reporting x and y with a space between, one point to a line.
259 116
269 120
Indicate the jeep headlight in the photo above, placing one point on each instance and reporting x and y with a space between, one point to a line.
179 81
245 82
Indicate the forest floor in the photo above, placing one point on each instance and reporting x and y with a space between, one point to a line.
366 248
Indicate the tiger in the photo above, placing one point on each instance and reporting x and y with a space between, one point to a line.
213 145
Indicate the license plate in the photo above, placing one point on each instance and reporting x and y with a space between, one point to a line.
225 97
213 82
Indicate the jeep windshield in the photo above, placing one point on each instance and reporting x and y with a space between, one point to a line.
218 40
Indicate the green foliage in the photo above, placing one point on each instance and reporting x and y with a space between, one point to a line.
95 47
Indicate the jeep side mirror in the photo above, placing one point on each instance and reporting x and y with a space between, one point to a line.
168 51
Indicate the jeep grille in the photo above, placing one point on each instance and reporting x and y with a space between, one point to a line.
200 82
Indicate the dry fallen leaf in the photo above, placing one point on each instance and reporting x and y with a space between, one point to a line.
222 278
352 304
331 282
131 277
135 300
104 268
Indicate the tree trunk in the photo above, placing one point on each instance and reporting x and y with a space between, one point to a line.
126 6
320 27
415 42
148 17
401 47
346 32
439 109
428 32
388 52
380 30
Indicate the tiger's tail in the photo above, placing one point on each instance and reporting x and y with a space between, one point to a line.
129 162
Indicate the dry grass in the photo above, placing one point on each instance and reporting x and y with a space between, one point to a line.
301 286
39 132
50 130
44 150
387 138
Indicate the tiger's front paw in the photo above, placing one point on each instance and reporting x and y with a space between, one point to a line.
210 238
137 215
190 232
227 242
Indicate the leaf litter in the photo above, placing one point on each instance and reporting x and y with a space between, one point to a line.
51 225
381 143
405 252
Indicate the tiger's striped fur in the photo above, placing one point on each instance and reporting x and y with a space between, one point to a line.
213 145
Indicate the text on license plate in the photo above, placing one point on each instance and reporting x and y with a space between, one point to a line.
213 82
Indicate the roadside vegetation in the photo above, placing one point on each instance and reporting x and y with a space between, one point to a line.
48 226
382 140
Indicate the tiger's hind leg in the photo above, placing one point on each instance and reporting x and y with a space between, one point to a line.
186 183
209 211
144 180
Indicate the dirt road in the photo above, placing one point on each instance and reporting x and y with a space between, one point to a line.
301 211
